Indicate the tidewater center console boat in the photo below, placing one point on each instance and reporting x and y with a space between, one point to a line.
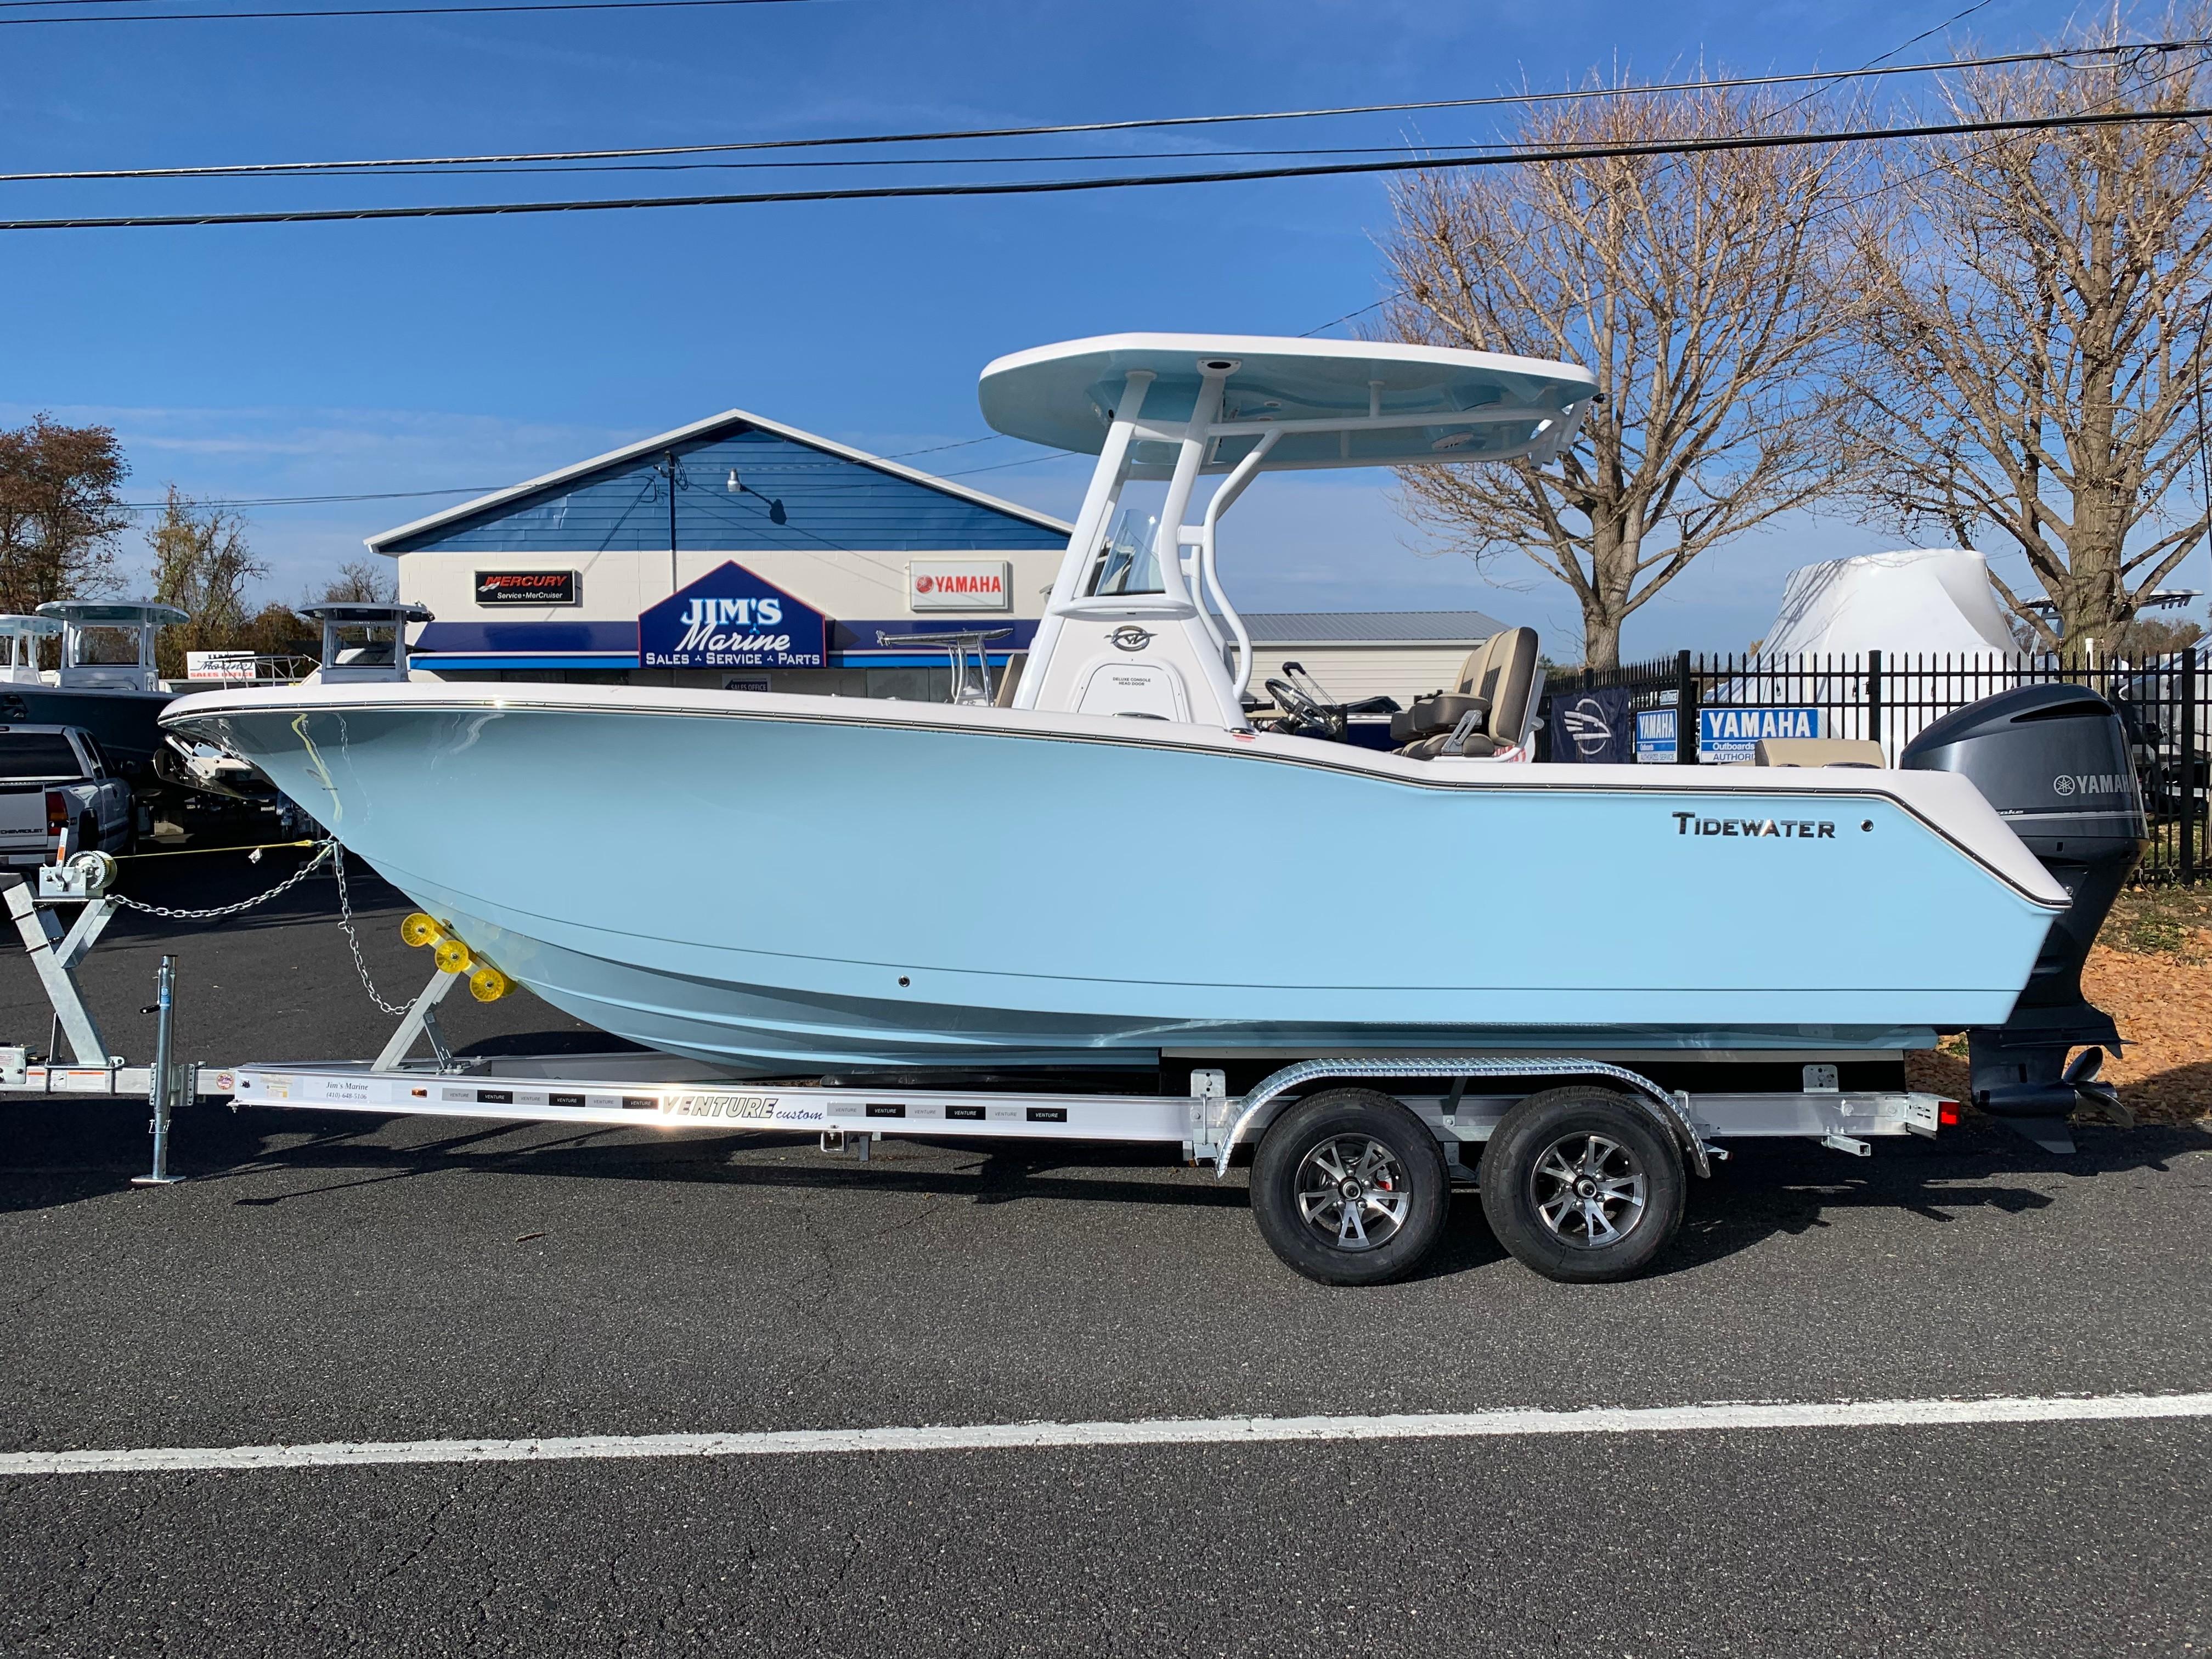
1192 892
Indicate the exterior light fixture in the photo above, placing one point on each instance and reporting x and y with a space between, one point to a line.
738 486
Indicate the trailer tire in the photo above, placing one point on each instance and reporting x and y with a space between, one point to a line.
1350 1188
1582 1186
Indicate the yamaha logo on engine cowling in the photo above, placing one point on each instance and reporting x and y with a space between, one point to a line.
2090 783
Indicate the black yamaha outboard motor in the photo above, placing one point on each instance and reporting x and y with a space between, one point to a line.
2054 761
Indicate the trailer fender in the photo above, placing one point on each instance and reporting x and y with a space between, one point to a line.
1260 1107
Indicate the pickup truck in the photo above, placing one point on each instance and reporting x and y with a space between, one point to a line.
55 782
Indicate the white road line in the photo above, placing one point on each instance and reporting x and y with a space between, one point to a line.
1158 1431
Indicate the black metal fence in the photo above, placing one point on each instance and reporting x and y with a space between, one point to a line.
1892 699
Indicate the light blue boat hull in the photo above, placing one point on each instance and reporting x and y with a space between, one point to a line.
782 894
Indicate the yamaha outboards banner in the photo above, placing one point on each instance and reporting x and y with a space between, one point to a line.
730 618
1592 727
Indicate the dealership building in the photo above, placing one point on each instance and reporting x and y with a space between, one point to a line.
744 554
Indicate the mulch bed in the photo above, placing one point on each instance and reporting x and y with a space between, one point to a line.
2162 1003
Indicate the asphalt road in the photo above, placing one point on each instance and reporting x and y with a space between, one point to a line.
348 1278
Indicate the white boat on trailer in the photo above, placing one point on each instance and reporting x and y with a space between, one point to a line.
788 942
1779 939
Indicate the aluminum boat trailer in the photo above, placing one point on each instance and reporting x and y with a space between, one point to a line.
1583 1160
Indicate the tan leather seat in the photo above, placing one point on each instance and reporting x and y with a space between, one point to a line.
1819 752
1495 683
1423 718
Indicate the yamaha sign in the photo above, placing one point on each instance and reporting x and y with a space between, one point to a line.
730 619
959 585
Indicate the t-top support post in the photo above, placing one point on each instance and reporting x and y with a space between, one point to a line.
1105 489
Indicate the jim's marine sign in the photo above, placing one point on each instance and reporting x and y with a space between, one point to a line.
730 618
526 587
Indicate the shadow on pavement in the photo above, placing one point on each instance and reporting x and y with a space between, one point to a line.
60 1151
1790 1187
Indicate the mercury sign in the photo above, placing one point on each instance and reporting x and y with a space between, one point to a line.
959 585
730 618
526 587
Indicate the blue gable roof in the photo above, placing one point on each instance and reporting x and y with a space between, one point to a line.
793 496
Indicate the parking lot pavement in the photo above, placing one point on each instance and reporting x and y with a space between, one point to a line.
349 1279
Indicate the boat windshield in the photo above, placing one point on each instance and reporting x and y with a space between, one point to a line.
1130 565
108 645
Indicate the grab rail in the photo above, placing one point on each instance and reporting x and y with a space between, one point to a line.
1231 487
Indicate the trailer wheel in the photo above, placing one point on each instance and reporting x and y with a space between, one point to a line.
1580 1184
1349 1188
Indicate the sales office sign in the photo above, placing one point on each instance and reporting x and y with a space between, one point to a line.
959 585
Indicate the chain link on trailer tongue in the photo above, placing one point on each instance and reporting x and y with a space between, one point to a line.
328 849
353 939
324 850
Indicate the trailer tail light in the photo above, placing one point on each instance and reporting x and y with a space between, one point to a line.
1947 1114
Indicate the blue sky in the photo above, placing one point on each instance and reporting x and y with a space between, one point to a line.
353 358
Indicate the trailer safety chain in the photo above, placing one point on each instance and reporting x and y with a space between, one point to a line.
221 910
329 850
353 939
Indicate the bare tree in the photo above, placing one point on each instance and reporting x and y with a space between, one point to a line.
1695 288
203 566
202 563
361 581
2032 315
61 510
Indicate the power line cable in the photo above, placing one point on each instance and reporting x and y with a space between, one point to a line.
238 168
550 172
305 500
963 443
1376 304
1027 460
389 11
487 489
1136 181
1889 185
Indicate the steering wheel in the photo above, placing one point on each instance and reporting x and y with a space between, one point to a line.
1302 715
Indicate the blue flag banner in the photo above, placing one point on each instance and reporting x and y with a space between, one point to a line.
1593 728
730 619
